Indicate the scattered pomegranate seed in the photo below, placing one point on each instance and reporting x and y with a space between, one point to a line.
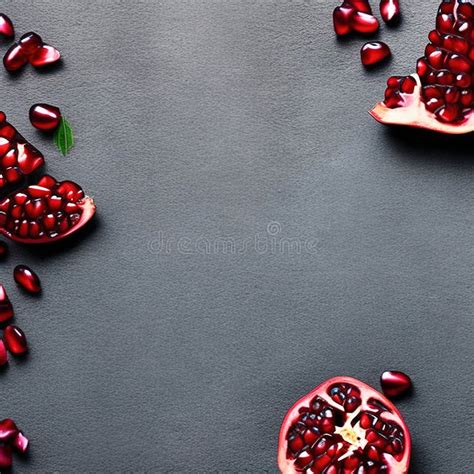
5 457
15 340
390 10
3 354
354 15
395 383
364 23
21 442
6 26
341 19
374 52
8 430
31 49
45 117
6 308
27 279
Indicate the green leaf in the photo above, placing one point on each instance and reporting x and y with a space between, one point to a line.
63 137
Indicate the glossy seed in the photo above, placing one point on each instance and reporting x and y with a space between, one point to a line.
374 52
27 279
15 340
395 383
6 308
6 26
45 117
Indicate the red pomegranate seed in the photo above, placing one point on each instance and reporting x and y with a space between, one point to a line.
5 457
3 354
21 443
30 42
6 308
374 52
45 117
15 340
45 56
341 19
6 26
395 383
390 10
8 430
14 58
27 279
364 23
360 5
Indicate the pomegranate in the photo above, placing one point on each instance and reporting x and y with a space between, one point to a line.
8 430
395 383
440 96
6 308
374 53
21 442
30 49
15 340
344 426
26 278
6 26
45 212
354 15
17 157
390 10
45 117
5 457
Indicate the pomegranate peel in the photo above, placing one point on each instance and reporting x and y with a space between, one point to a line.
344 426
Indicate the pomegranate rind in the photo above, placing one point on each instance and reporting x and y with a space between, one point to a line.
286 465
88 209
414 114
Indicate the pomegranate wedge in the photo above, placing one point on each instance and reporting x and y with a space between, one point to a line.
17 157
440 96
45 212
344 426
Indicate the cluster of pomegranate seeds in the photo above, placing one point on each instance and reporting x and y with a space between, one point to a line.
30 49
26 278
352 439
446 72
45 212
398 90
374 53
17 156
395 383
6 27
354 15
390 10
10 437
45 117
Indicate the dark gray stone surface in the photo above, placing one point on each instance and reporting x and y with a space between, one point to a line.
207 125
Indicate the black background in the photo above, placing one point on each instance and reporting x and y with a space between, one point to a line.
204 121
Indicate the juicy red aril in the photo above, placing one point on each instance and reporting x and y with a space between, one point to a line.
341 19
374 52
5 457
390 10
6 308
364 23
45 56
45 212
15 340
21 443
3 354
45 117
395 383
17 156
6 26
8 430
360 5
27 279
14 58
30 42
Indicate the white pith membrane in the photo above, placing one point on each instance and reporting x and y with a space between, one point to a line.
353 435
412 110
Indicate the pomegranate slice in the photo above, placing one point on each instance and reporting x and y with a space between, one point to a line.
344 426
17 156
440 96
6 26
45 212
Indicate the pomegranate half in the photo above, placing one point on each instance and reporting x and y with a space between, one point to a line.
440 96
344 426
45 212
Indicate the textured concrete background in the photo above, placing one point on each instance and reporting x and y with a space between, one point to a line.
257 232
